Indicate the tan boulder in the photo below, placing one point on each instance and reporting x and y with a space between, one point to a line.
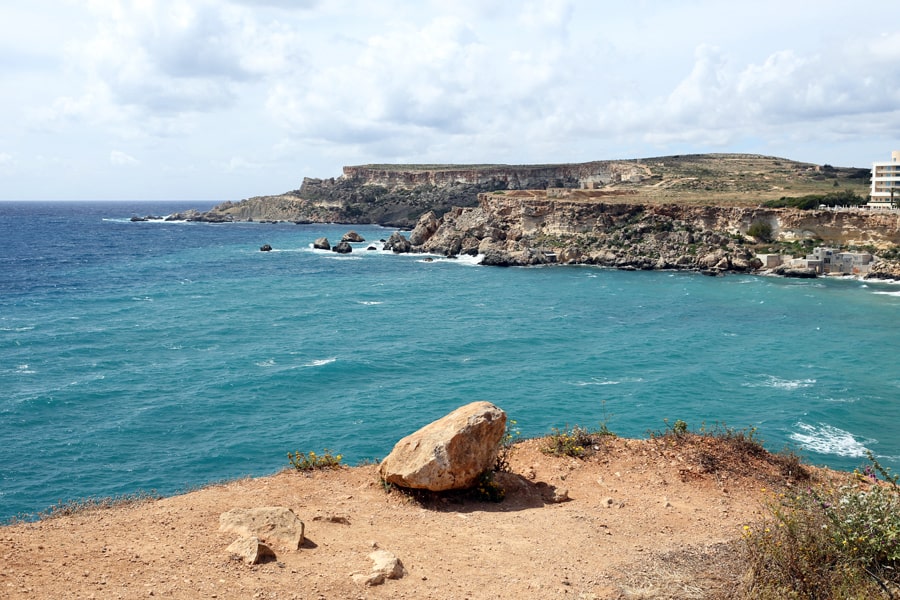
450 453
271 523
251 550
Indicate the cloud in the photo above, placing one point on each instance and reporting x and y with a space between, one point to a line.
121 159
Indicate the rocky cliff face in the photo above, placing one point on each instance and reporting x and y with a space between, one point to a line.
397 195
526 228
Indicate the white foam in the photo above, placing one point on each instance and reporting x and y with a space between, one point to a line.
826 439
266 363
369 302
897 294
321 362
782 384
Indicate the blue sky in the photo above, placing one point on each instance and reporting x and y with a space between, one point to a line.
226 99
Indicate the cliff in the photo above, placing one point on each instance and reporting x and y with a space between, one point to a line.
604 228
396 195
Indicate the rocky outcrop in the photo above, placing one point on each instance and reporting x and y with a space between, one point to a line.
397 243
342 247
321 244
396 195
450 453
529 229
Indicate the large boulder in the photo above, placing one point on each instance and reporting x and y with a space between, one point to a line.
270 523
342 247
397 243
322 244
425 228
450 453
352 236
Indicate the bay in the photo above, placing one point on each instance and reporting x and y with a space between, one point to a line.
165 355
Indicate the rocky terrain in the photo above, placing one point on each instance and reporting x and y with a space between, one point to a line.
603 228
652 519
679 212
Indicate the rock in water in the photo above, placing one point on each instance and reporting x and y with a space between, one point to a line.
397 243
265 248
450 453
322 244
342 248
352 236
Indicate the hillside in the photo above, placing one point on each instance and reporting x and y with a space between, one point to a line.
396 195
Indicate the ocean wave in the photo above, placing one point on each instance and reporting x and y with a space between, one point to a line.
783 384
320 362
266 363
600 381
896 294
826 439
369 302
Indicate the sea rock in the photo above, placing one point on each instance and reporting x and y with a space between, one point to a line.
270 523
252 550
427 224
450 453
342 247
265 248
352 236
322 244
397 243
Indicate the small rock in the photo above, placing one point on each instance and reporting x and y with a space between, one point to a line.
386 564
322 244
252 550
265 248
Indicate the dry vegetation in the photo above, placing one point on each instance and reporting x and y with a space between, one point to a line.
726 179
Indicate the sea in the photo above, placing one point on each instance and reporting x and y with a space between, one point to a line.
156 357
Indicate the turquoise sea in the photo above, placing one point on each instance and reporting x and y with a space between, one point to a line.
162 356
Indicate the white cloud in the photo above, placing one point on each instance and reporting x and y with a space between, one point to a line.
121 159
305 87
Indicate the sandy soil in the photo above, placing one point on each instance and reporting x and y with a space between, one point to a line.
644 519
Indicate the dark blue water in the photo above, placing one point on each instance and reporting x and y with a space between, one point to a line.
160 356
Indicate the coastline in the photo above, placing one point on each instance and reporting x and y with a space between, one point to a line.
631 505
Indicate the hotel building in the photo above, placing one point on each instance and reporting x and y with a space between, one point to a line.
885 182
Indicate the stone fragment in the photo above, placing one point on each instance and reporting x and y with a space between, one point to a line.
270 523
251 550
386 564
450 453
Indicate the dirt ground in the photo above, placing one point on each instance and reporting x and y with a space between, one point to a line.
644 519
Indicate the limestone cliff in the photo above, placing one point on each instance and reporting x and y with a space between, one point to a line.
526 228
396 195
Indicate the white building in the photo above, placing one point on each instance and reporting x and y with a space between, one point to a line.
885 182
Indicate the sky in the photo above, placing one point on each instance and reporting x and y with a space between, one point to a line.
226 99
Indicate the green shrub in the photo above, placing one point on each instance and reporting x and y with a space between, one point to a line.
313 461
576 442
761 230
841 542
